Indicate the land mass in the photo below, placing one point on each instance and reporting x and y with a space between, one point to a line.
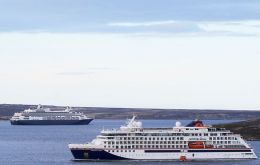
7 110
250 129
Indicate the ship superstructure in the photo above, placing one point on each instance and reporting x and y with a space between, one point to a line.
192 142
46 116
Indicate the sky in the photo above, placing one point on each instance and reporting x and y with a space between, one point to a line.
196 54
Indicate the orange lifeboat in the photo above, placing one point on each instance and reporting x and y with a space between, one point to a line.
183 158
196 145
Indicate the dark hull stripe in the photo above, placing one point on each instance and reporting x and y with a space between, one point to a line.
94 155
51 122
151 151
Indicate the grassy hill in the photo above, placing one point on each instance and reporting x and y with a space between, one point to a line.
250 130
7 110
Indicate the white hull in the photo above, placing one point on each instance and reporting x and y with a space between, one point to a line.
141 155
153 155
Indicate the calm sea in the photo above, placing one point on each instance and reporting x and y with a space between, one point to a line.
33 145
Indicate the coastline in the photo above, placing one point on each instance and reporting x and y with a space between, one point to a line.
249 129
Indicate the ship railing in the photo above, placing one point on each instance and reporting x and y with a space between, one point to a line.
86 145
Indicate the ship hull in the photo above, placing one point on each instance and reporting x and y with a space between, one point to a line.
51 122
155 155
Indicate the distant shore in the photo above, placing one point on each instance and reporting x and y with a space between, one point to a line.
7 110
249 128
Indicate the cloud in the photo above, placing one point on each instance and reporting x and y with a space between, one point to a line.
167 26
140 24
249 27
121 70
243 27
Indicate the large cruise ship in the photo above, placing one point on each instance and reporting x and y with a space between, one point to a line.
192 142
45 116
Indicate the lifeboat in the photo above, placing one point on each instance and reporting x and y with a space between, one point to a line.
199 145
196 145
183 158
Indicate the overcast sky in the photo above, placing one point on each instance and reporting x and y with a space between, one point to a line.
138 53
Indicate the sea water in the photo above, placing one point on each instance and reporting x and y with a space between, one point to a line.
47 145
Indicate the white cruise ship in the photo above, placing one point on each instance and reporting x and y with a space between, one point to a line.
192 142
45 116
